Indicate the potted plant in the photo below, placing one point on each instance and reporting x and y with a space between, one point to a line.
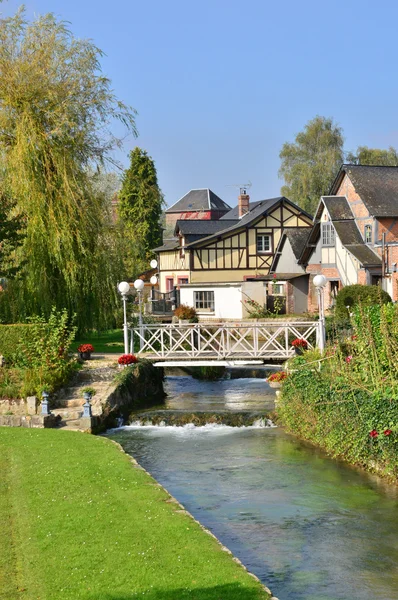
299 345
275 380
85 351
126 359
186 314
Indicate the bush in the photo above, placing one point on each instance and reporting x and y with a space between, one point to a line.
347 401
187 313
352 295
11 337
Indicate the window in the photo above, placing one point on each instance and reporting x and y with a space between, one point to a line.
328 234
204 301
169 284
182 280
278 289
368 234
264 243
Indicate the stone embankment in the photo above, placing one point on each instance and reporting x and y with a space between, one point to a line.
116 394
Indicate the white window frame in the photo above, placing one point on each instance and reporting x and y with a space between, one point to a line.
328 234
203 300
262 236
368 233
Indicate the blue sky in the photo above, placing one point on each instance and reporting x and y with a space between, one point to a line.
220 85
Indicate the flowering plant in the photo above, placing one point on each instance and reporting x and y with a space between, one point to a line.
277 377
127 359
300 343
85 348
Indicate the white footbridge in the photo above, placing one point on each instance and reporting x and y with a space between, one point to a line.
223 344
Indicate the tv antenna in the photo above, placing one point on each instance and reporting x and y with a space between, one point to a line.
243 187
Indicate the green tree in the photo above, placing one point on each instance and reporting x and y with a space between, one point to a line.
140 209
56 109
373 156
11 236
310 163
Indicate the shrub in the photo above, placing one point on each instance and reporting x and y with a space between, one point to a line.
11 337
186 312
352 295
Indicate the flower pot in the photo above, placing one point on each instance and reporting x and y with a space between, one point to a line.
274 384
299 350
85 355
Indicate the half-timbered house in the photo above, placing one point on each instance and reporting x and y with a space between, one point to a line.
218 264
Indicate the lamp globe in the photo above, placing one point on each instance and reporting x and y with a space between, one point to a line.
320 281
124 287
139 285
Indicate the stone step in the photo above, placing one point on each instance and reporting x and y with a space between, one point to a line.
72 424
67 413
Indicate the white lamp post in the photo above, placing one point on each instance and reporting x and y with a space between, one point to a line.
124 289
319 282
139 286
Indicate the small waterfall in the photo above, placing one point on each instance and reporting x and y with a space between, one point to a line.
201 420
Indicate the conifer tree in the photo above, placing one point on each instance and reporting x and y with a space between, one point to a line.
140 210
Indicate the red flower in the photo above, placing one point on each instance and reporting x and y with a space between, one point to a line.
280 376
387 432
127 359
348 359
373 433
85 348
300 343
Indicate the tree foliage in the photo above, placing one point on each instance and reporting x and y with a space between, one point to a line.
140 209
310 163
56 109
373 156
11 236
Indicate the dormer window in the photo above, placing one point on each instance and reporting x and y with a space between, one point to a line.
328 234
368 234
182 244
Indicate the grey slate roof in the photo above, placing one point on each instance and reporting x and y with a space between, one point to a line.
297 237
171 244
199 200
377 187
338 207
234 213
201 227
261 208
364 254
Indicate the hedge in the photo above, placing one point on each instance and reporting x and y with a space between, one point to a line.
352 295
11 335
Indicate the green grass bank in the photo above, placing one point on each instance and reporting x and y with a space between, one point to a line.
81 522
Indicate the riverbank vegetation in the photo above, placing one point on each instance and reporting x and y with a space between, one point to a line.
37 355
110 531
347 400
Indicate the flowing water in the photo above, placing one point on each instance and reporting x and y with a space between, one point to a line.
309 527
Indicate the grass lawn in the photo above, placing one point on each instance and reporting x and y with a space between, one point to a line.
105 342
79 521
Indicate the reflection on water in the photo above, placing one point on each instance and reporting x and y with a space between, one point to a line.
185 393
309 527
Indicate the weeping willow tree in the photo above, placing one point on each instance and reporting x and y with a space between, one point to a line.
56 110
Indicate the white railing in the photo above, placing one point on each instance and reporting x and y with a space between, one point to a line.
220 341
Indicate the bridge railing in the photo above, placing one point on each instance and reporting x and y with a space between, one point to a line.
223 340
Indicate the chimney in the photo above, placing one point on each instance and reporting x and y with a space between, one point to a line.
243 203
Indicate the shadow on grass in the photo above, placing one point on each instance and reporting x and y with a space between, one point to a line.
232 591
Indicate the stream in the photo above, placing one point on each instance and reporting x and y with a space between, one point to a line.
311 528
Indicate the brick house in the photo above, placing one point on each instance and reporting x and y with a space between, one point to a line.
355 234
200 204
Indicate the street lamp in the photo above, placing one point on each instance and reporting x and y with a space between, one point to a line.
139 286
124 289
319 282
